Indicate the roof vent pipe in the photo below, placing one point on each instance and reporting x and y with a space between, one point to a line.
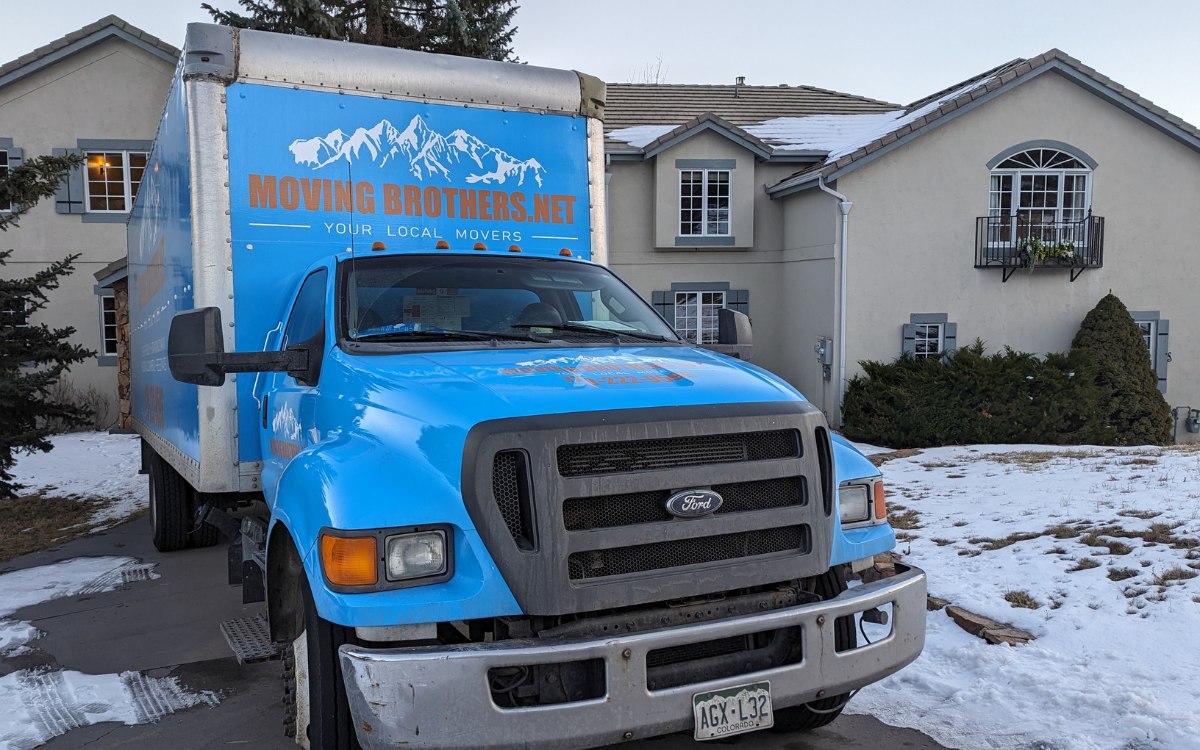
737 82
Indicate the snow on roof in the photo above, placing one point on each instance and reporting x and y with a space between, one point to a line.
836 134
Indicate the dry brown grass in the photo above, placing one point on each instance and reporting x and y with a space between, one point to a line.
1120 574
1145 515
1021 599
1176 573
1086 563
901 518
988 543
1036 458
34 522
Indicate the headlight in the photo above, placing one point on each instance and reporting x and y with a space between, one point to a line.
416 555
855 503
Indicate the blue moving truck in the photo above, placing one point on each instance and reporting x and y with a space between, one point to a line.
488 496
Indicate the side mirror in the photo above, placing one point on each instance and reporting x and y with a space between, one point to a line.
734 336
194 345
196 352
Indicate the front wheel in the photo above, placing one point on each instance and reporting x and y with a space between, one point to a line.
316 712
819 713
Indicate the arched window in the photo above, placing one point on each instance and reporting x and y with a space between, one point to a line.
1042 192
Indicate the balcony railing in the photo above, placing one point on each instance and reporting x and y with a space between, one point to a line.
1011 243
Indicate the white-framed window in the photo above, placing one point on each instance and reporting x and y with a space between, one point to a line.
930 340
696 315
704 202
929 336
1156 331
111 180
1039 192
108 324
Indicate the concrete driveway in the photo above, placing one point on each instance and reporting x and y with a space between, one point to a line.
169 627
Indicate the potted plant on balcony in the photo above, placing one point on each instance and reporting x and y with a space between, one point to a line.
1033 250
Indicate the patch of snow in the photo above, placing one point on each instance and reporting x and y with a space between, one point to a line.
42 704
1114 665
92 465
641 135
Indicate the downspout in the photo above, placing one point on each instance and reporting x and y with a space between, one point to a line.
844 205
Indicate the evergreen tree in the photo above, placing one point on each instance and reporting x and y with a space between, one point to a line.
472 28
32 356
1130 403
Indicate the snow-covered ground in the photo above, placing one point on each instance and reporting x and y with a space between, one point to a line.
1103 541
89 465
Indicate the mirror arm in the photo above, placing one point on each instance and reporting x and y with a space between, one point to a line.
293 361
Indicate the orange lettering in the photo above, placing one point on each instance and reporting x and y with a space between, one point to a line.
541 207
391 199
412 200
500 205
289 193
450 193
466 203
485 205
433 202
518 207
364 194
262 191
312 193
343 199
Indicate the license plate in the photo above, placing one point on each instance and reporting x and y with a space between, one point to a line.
722 713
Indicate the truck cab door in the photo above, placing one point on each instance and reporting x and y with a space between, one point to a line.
288 404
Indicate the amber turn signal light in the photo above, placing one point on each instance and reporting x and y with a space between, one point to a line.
880 505
350 560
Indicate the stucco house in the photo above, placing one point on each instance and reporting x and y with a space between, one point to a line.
98 91
1002 208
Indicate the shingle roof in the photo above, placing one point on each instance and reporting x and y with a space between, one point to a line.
630 105
113 25
926 112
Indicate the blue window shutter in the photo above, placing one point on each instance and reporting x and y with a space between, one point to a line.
14 157
1160 354
949 337
69 197
908 344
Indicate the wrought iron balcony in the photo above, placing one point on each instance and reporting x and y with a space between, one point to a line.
1011 243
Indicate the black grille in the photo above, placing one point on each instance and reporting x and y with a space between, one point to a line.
665 453
661 555
695 651
510 488
607 511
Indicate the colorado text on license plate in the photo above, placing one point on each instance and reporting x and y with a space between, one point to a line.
721 713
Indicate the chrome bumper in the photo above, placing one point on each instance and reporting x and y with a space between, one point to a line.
438 697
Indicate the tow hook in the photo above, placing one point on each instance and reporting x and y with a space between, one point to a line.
875 615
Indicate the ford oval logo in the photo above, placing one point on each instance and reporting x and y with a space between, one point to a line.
693 503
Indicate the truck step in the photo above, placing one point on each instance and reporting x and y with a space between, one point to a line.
250 639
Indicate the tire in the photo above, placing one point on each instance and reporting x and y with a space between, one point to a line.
170 507
173 511
819 713
319 718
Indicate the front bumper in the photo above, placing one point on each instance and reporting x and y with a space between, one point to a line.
438 697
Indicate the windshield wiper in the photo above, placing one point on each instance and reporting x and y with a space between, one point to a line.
443 333
608 332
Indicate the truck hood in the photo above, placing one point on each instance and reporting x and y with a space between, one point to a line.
466 387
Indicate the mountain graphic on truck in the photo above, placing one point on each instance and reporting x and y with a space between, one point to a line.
420 151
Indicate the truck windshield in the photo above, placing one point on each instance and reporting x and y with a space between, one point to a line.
491 300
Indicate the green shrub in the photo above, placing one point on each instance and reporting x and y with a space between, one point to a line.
1102 392
973 397
1131 407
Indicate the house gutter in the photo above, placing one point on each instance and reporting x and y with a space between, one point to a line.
844 205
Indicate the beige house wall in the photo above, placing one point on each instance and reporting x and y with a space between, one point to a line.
112 90
912 232
808 272
643 205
